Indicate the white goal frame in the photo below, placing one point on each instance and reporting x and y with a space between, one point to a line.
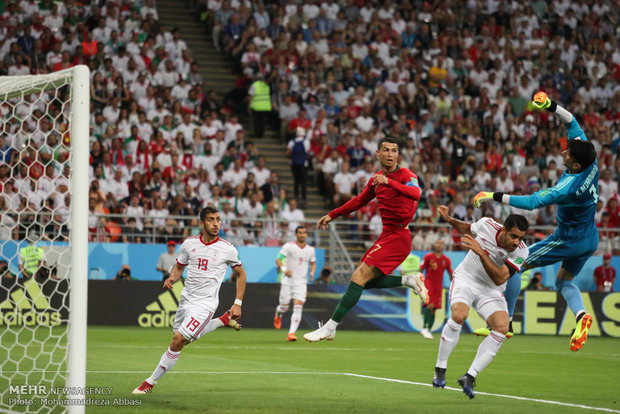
79 79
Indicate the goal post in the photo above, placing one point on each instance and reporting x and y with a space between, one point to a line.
43 308
78 296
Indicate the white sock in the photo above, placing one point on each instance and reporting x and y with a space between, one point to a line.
449 338
563 114
486 352
213 325
281 309
331 325
295 318
167 361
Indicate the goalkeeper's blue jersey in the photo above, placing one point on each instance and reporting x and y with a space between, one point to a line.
575 194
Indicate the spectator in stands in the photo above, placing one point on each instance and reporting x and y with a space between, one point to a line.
167 260
293 215
298 151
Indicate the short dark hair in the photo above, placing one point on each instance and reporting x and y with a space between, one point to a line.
207 210
582 151
389 140
298 228
516 220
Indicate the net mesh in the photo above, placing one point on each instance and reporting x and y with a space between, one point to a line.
34 234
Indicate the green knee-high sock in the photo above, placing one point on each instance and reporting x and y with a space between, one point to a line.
425 314
383 282
348 300
431 319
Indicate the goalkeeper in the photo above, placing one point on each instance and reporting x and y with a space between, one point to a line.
576 237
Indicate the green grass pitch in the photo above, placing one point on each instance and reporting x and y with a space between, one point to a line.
257 371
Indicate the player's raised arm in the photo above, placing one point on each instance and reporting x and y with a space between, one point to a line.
460 226
578 158
411 189
350 206
542 101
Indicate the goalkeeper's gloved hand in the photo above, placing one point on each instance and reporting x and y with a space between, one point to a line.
482 197
541 101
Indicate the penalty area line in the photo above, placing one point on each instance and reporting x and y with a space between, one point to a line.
514 397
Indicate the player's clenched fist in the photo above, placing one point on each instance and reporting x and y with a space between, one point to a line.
443 212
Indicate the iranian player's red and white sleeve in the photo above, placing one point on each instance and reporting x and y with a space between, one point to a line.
233 259
313 255
518 257
183 255
477 227
286 249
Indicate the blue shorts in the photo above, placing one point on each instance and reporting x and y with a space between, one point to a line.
572 252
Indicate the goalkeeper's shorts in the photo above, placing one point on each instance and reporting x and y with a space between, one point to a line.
573 252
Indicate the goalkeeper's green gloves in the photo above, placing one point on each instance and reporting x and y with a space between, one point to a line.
484 196
542 101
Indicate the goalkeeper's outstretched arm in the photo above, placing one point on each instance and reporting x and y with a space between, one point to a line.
542 101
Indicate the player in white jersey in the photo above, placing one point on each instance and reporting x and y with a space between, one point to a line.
206 258
496 252
297 255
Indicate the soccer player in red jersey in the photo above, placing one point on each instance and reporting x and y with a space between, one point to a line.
397 192
435 263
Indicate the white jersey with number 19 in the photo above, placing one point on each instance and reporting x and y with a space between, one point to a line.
486 232
206 267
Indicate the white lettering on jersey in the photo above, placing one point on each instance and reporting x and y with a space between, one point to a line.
486 231
206 268
297 260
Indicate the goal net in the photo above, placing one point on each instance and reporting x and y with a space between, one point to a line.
44 145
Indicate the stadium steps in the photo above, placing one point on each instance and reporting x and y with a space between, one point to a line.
219 75
273 149
214 66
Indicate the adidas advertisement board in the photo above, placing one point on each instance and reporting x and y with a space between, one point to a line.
33 303
147 304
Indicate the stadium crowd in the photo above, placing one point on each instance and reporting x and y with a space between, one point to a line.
452 80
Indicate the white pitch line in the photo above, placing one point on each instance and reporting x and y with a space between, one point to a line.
514 397
322 349
221 372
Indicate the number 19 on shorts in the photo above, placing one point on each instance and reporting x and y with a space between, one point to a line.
193 324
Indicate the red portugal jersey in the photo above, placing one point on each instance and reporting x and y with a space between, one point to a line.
398 199
435 266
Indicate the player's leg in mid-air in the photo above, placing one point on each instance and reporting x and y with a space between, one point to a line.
373 272
189 325
573 253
